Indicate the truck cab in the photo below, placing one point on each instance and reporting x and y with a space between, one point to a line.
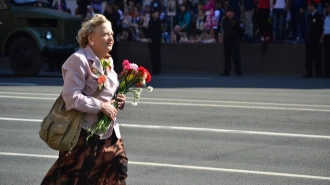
32 33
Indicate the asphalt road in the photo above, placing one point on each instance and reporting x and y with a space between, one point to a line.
250 130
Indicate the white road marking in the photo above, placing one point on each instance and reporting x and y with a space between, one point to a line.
226 131
234 106
20 119
24 93
193 104
236 102
190 167
29 98
197 129
176 100
21 84
183 78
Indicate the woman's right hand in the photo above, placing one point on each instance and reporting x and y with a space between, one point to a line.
109 110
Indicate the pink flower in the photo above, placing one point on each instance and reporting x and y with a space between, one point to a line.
125 63
134 67
127 67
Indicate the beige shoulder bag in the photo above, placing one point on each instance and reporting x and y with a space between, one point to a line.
60 129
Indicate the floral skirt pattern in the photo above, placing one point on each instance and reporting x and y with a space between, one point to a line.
100 162
211 21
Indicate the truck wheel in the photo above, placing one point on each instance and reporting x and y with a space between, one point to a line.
25 58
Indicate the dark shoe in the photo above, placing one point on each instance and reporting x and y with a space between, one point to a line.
307 76
239 74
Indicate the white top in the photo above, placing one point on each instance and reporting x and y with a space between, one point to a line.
280 4
326 25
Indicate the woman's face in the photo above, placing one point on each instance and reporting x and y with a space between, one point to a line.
136 12
131 4
136 9
199 6
126 11
182 8
102 38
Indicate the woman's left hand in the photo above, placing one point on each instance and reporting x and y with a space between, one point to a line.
121 101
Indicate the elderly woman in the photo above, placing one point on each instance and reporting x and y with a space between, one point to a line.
101 160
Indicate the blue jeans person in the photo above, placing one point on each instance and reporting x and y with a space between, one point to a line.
279 24
298 20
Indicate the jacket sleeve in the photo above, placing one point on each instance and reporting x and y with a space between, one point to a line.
187 18
74 72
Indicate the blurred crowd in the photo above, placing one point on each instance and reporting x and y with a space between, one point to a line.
197 21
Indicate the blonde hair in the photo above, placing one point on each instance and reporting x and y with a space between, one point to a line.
88 28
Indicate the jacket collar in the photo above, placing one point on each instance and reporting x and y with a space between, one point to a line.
93 60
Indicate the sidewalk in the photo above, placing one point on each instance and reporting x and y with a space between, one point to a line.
6 71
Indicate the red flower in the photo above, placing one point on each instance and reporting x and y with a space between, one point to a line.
101 79
144 73
148 77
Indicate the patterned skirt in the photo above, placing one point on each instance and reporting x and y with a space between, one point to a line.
99 162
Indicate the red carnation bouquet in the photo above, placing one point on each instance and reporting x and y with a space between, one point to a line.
132 79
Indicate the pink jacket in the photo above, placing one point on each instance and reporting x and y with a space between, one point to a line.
211 5
80 83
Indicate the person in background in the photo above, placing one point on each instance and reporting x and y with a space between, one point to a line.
154 36
142 35
116 7
130 6
60 5
146 13
175 35
297 13
200 21
126 35
211 20
263 17
90 13
208 37
157 5
82 9
319 7
325 40
127 19
114 17
97 5
313 48
279 9
248 12
324 5
184 18
232 29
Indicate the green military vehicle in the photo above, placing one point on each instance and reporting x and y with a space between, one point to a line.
31 35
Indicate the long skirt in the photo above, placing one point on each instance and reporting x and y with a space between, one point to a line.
99 162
